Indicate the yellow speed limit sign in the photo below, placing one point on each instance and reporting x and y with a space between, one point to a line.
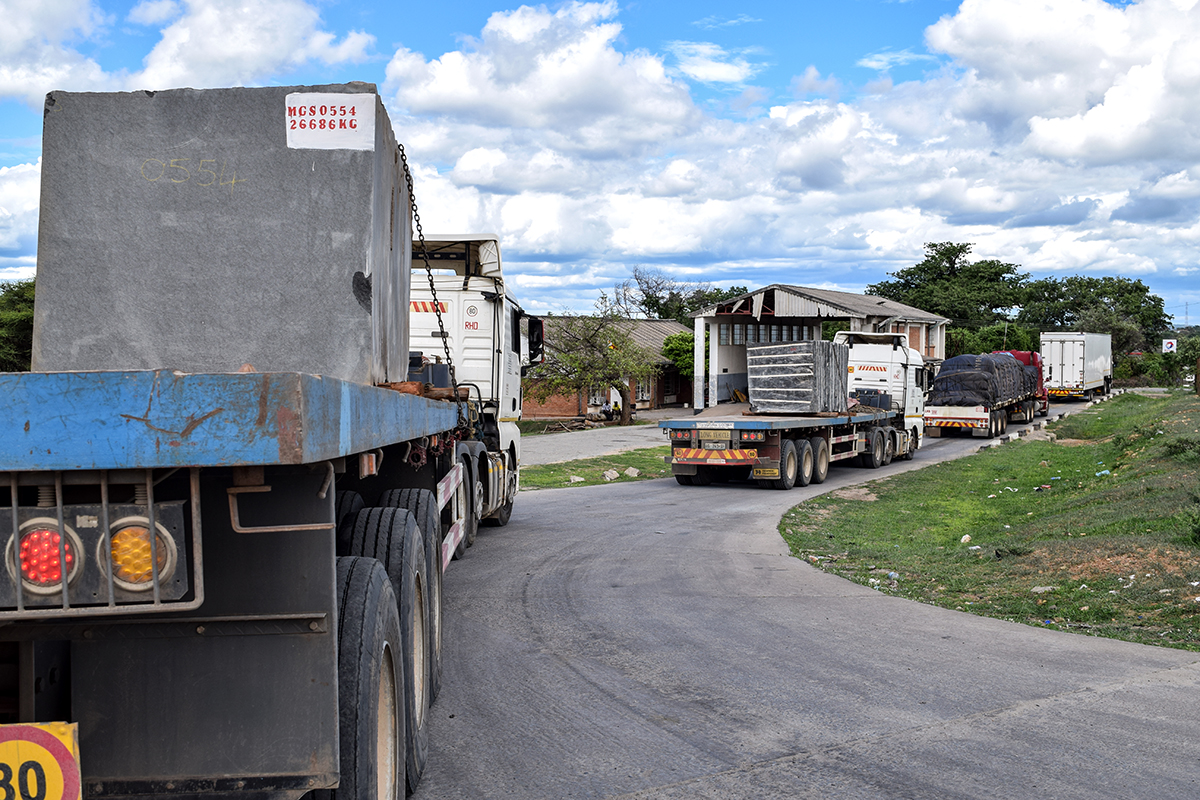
40 761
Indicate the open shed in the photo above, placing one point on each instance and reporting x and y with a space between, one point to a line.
780 313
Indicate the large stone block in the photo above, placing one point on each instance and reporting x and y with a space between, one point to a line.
201 230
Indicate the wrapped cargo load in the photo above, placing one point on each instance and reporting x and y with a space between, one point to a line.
805 377
981 380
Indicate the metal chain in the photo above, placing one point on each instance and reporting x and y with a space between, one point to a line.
437 309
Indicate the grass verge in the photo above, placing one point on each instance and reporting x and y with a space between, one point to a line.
1097 532
648 462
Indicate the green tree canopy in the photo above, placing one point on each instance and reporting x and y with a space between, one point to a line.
16 325
947 283
680 349
589 351
654 294
1121 307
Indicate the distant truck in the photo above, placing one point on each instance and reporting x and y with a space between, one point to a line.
230 487
1032 358
881 376
982 394
1077 364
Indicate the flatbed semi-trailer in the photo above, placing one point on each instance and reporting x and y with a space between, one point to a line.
783 451
227 491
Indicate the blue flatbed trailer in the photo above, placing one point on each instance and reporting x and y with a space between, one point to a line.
780 451
184 688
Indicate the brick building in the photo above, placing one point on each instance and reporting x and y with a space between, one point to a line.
666 388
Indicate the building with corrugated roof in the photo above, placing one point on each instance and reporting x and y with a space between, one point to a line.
780 313
666 388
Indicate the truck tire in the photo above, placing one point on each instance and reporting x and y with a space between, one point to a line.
345 509
789 466
683 480
889 445
370 683
873 458
911 448
804 460
820 449
422 504
501 517
472 497
703 476
392 537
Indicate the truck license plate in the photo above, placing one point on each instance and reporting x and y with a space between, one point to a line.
40 760
720 445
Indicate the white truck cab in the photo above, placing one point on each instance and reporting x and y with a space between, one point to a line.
881 362
491 340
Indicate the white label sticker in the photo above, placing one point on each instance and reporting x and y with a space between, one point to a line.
330 121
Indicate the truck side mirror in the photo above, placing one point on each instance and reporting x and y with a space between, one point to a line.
537 349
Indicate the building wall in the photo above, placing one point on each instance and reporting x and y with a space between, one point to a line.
555 407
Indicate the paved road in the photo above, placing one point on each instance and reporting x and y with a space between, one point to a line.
648 640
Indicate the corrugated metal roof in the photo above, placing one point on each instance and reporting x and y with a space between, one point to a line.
803 301
647 333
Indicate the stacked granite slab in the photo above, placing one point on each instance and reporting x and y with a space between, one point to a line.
201 230
806 377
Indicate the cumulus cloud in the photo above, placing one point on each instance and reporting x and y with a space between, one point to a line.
19 190
208 43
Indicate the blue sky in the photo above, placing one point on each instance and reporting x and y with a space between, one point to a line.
818 144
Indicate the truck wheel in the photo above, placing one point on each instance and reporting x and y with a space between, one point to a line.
422 504
683 480
392 537
874 457
804 473
789 465
911 448
889 445
820 449
370 683
501 517
347 507
703 476
471 496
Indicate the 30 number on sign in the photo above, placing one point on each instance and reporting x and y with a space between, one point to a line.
179 170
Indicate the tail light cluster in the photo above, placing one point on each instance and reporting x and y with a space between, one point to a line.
681 433
754 436
72 556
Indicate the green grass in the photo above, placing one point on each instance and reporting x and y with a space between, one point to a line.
648 461
1104 523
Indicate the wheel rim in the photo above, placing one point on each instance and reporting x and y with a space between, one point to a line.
791 466
387 734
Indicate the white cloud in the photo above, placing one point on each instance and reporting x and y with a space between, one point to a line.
884 60
35 51
710 63
714 22
231 42
20 187
153 12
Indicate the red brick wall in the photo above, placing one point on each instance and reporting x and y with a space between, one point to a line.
555 407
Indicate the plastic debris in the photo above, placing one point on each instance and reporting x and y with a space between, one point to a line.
1011 489
1056 478
966 538
990 496
873 581
1103 472
1008 527
974 547
893 576
1043 589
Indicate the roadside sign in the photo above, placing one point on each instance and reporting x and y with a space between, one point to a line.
40 761
1170 345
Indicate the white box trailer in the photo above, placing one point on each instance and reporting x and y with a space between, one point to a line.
1077 364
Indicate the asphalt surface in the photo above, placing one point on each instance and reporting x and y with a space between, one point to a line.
648 640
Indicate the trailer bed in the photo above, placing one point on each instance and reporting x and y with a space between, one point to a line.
162 418
775 423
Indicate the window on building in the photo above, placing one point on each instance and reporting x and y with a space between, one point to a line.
671 383
762 333
750 338
723 336
596 397
739 334
644 388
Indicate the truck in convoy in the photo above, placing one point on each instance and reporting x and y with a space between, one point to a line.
234 477
1032 358
982 394
812 404
1077 364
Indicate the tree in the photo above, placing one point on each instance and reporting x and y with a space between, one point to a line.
947 283
1121 307
592 350
654 294
16 325
680 349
